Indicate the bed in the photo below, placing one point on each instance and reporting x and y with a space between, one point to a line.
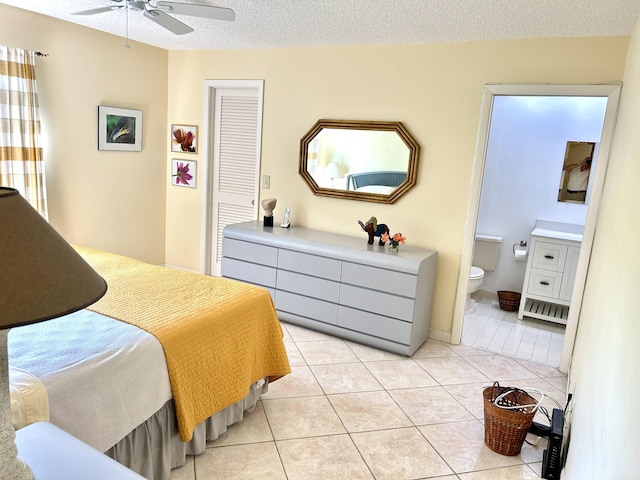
375 182
163 363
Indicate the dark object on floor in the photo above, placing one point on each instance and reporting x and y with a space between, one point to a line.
509 301
506 428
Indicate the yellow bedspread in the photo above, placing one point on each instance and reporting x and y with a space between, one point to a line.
219 336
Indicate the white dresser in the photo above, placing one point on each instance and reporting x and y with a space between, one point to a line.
551 271
337 284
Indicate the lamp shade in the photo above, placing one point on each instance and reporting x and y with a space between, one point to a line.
41 275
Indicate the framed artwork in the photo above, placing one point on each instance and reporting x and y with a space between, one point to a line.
119 129
183 173
184 138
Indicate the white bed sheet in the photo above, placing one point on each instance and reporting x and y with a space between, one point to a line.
104 377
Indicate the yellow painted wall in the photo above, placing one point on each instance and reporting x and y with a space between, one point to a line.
434 90
114 201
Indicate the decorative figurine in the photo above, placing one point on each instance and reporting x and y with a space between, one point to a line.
374 229
268 204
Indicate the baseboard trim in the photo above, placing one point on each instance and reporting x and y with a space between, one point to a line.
440 335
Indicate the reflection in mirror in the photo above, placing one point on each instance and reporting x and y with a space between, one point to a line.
370 161
576 170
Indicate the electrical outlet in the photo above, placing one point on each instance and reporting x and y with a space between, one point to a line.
266 181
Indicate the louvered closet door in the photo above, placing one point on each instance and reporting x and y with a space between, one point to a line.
237 133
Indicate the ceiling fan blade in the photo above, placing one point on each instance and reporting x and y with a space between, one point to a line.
93 11
206 11
168 22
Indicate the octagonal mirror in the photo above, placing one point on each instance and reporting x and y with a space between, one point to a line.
359 160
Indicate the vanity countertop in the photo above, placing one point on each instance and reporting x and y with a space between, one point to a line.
558 230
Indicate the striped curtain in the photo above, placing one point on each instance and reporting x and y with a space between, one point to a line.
21 162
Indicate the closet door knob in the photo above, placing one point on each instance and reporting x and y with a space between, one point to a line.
550 257
544 283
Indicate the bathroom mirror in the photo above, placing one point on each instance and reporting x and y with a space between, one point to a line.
359 160
576 172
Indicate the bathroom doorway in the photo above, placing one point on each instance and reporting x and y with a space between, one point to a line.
544 187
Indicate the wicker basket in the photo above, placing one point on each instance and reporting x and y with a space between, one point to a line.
509 301
506 429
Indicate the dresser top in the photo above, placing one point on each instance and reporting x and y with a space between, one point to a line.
332 245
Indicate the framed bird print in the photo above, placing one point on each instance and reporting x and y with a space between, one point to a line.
184 138
119 129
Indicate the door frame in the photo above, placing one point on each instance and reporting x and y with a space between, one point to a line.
207 167
612 92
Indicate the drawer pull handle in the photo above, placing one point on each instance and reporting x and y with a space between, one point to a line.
550 257
544 283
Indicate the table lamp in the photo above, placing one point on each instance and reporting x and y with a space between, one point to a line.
41 277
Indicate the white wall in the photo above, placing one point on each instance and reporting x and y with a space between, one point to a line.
604 379
525 155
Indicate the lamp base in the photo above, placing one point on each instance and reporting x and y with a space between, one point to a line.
10 465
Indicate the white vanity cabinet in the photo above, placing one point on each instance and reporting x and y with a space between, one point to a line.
337 284
550 274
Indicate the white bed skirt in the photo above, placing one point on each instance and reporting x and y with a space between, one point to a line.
154 448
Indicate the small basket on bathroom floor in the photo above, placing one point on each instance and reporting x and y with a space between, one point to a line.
506 428
509 301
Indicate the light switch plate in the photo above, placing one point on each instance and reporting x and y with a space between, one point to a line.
266 181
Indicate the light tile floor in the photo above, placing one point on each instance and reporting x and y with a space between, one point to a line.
487 327
349 411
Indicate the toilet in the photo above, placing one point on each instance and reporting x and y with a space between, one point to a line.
485 258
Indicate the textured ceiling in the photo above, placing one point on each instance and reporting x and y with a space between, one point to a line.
301 23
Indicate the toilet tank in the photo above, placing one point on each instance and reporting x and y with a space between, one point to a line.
486 250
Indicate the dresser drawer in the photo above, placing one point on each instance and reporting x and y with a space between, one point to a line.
377 302
250 252
545 282
549 256
306 307
397 283
248 272
375 325
309 264
309 286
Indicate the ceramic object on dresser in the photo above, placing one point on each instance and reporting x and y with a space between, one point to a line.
337 284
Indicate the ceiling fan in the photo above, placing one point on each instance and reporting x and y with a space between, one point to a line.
159 12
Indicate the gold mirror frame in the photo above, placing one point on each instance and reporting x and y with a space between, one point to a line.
397 127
